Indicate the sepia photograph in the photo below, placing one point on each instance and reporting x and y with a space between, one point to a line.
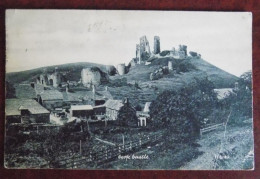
128 89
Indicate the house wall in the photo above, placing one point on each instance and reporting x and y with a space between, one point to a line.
111 113
13 119
100 110
82 113
50 105
40 118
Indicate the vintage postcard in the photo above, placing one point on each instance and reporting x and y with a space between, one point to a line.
110 89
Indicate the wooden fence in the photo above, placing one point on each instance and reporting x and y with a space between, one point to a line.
96 158
210 128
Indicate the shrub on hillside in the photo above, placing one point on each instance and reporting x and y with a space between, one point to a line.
185 66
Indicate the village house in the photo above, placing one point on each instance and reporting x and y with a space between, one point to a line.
25 110
50 99
25 91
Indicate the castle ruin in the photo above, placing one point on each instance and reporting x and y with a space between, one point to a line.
121 69
181 53
170 65
53 79
143 50
90 76
156 45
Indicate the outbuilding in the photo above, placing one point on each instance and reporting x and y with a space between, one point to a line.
25 110
81 111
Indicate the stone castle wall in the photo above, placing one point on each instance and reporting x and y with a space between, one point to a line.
121 69
90 77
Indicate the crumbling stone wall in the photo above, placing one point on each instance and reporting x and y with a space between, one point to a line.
90 76
121 69
157 74
183 48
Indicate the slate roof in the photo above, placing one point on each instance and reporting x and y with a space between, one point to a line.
72 96
114 104
81 107
25 91
223 92
38 88
49 95
106 94
14 106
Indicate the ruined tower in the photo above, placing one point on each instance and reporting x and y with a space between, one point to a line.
183 49
144 49
56 77
90 76
138 55
156 45
144 45
121 69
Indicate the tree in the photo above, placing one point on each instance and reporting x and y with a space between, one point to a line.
182 112
10 90
241 100
127 115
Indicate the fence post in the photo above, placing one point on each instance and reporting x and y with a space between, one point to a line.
106 154
80 151
130 145
90 156
140 142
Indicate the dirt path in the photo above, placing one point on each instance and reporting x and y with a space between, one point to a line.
238 143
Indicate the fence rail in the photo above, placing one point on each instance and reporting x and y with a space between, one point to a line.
108 154
210 128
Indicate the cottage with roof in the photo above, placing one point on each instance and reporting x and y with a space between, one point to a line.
25 91
50 99
25 110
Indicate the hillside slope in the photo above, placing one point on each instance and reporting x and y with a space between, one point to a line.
72 70
219 77
138 87
202 69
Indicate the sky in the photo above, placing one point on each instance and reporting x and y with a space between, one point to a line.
38 38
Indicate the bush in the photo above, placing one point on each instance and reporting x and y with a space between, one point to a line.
182 112
185 66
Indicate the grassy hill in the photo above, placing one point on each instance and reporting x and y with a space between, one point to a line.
140 75
220 78
198 68
137 85
72 71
